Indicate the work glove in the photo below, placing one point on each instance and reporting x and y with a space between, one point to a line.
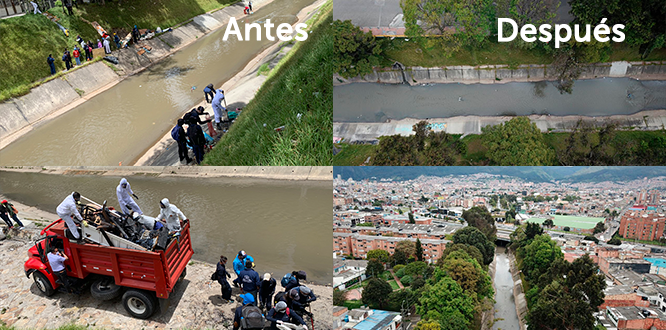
135 196
279 322
305 327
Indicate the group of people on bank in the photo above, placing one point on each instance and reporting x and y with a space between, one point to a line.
258 295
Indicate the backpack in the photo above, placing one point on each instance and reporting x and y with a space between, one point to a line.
252 318
286 279
278 297
174 132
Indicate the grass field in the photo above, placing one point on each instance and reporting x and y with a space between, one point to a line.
394 285
301 85
28 40
571 221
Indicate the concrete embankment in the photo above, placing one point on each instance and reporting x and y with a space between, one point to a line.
518 293
53 98
350 132
241 89
499 74
297 173
194 304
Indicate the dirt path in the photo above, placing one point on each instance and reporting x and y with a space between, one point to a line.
194 304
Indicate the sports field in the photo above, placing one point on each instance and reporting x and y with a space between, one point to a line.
571 221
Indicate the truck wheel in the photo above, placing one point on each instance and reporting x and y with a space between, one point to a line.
139 304
43 283
105 289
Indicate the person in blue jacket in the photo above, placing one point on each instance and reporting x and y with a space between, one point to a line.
239 262
51 63
249 280
281 313
209 91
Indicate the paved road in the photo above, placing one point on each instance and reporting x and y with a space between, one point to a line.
369 13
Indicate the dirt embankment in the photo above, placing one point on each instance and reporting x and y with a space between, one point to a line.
194 304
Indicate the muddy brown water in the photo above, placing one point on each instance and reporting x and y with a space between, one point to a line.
284 225
372 102
119 124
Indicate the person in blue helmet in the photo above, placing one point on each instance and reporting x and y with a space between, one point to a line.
248 316
239 262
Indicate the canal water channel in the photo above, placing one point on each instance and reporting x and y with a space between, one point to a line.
505 306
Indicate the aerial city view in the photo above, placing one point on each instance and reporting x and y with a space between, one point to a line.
436 82
499 247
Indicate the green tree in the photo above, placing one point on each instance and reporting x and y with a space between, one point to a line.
339 297
471 250
378 254
428 325
480 218
456 23
376 292
399 257
599 227
357 51
406 280
411 217
407 246
419 250
548 223
374 268
644 21
517 142
538 256
416 268
566 229
418 283
474 237
614 241
446 302
576 291
467 272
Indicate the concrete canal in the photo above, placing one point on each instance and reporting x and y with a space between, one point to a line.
371 102
119 124
505 306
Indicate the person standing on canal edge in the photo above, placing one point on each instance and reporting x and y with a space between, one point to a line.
239 262
123 192
197 139
8 211
77 54
249 280
209 91
51 61
266 292
183 153
221 275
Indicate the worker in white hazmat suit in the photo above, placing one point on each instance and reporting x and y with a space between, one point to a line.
67 209
218 109
149 223
125 193
171 214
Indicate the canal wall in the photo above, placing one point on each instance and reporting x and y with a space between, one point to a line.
55 97
365 132
518 292
499 74
488 316
194 304
295 173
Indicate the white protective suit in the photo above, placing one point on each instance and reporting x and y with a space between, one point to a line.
65 211
107 46
218 109
125 198
146 221
172 215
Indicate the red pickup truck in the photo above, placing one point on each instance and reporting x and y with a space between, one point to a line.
143 275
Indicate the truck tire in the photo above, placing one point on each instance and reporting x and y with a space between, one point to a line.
105 289
43 284
139 304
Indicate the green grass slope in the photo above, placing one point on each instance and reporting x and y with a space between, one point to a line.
301 85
